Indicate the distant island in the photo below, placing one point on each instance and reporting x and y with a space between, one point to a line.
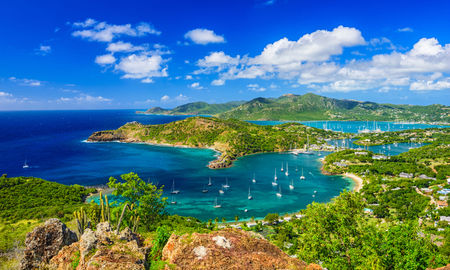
233 138
309 107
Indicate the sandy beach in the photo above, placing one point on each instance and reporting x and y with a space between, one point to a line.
358 181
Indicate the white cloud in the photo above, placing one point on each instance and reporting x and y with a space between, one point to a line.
4 94
105 59
121 46
147 80
188 77
405 29
218 82
84 99
8 98
430 85
196 85
177 99
26 82
43 49
142 66
103 32
203 36
255 87
309 61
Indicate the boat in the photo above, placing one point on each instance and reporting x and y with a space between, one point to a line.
287 169
173 201
291 186
250 197
315 191
254 179
216 205
274 182
204 190
296 168
302 177
25 165
174 191
245 210
226 183
282 167
275 177
221 191
209 183
279 191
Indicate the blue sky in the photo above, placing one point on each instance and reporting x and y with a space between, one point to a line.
140 54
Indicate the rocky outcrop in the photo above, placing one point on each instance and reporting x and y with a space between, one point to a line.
106 136
227 249
44 242
102 249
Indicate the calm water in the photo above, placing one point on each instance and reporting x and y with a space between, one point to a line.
52 143
354 126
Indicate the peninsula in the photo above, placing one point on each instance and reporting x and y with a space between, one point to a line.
232 138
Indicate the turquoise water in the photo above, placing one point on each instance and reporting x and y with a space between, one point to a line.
53 144
354 126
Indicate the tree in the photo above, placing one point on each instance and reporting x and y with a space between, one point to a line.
272 218
146 196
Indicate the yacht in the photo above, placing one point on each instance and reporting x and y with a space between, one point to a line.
216 205
282 167
275 177
221 191
302 177
25 165
173 201
226 183
279 192
254 179
204 190
174 191
291 186
209 183
287 169
250 197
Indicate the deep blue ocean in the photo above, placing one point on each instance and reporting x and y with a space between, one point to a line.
53 145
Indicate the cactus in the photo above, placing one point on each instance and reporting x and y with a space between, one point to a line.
105 214
82 221
121 217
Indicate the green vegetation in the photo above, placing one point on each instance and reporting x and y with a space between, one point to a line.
314 107
196 108
341 236
429 135
234 138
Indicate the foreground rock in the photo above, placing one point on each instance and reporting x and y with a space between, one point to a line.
102 249
44 242
227 249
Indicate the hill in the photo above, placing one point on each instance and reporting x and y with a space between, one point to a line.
195 108
315 107
233 138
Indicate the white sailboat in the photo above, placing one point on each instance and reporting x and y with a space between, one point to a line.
221 190
209 183
204 190
291 186
174 191
296 168
25 165
282 167
307 152
275 177
173 201
216 205
302 177
254 179
226 183
287 169
279 191
249 196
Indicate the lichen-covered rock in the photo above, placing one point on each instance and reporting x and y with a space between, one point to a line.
44 242
102 250
227 249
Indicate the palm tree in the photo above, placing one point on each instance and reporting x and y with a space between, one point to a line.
236 218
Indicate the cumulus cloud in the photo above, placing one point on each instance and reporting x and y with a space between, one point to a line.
105 59
102 32
203 36
142 66
309 61
5 94
177 99
255 87
218 82
196 85
121 46
8 98
26 82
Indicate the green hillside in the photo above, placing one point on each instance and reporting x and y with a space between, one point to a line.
196 108
233 138
315 107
